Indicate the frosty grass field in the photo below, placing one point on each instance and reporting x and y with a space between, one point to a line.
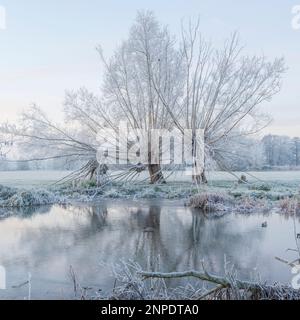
30 179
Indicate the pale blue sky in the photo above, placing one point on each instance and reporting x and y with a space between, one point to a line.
49 45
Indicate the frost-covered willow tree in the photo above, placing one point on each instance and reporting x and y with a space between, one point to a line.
145 67
39 138
223 90
155 81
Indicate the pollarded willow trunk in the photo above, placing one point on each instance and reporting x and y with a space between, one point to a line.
155 173
200 178
154 166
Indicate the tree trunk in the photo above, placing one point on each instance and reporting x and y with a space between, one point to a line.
156 175
200 178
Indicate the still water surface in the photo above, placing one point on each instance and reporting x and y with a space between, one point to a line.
46 241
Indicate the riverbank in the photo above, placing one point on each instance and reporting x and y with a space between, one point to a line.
218 197
263 192
132 283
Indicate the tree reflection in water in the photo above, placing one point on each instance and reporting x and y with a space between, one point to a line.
166 237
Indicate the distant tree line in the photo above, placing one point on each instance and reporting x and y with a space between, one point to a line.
281 150
270 153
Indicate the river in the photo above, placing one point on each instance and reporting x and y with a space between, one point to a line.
160 235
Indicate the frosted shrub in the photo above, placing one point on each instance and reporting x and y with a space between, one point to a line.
249 205
290 206
261 187
24 198
6 192
209 201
